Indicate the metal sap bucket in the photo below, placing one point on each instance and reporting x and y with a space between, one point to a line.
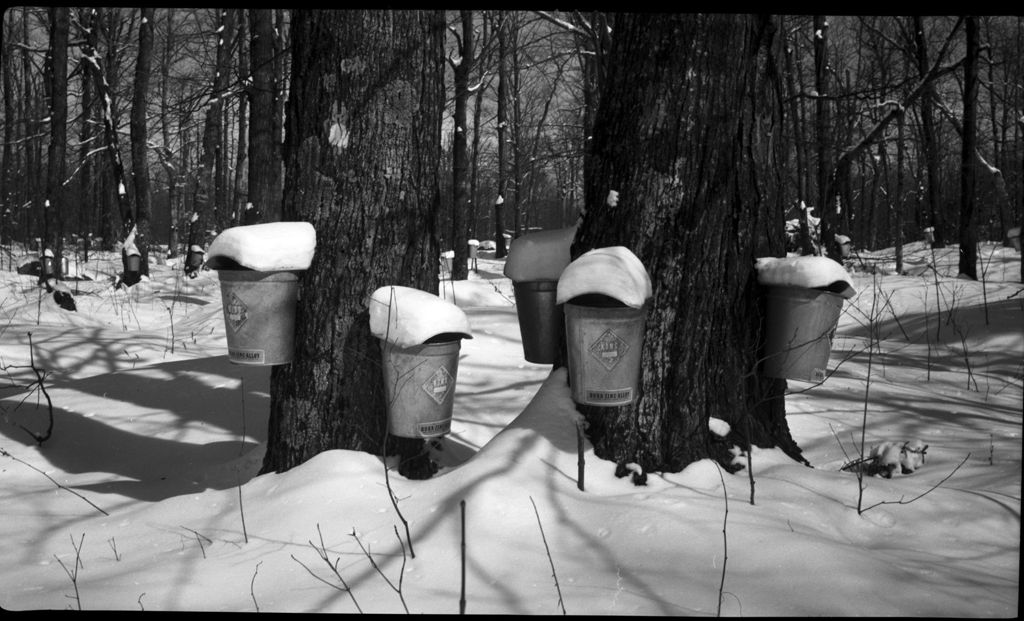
800 325
541 320
259 315
604 340
419 385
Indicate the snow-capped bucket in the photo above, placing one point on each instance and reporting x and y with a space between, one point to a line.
259 315
1014 236
929 234
845 245
257 265
194 260
800 326
804 300
541 320
421 335
535 262
419 385
46 263
604 293
133 262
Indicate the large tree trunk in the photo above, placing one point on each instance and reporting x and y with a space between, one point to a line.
362 145
968 235
672 135
140 139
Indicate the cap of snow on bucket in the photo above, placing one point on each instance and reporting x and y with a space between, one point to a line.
534 263
805 298
605 292
257 266
421 335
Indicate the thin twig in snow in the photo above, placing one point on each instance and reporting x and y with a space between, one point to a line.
901 501
6 454
725 540
373 563
548 551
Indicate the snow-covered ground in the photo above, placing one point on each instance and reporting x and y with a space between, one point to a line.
150 471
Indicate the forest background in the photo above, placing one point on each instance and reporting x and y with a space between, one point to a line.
172 121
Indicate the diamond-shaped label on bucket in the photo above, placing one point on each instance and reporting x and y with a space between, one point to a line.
438 385
608 349
236 312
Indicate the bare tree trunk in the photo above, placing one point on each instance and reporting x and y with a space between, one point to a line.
931 148
822 123
968 234
175 180
804 241
110 135
264 148
58 113
899 202
689 209
362 145
240 194
7 200
140 139
474 164
211 212
499 204
32 129
460 155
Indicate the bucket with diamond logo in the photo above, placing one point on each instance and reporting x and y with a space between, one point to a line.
604 339
419 385
259 315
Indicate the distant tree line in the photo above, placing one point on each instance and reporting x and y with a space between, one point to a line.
117 118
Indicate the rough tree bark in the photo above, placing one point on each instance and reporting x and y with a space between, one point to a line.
362 146
673 136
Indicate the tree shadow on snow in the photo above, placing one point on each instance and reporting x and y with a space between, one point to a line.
157 431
